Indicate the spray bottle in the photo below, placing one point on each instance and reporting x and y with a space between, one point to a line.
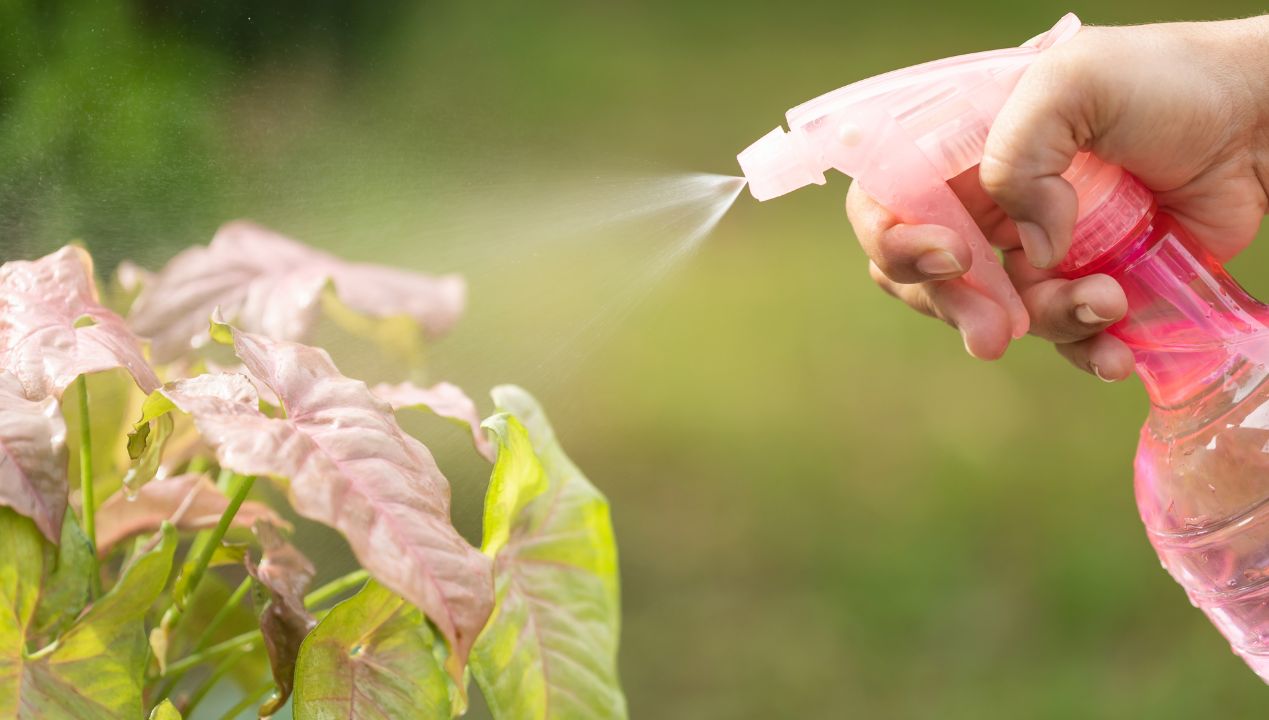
1199 341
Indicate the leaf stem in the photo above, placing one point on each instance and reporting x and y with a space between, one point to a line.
335 588
222 614
86 475
172 678
247 640
206 550
210 682
252 698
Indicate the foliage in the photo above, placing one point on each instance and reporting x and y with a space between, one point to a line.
550 649
532 614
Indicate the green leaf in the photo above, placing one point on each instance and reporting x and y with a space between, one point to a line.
95 671
517 478
550 648
165 711
370 657
147 440
68 584
21 566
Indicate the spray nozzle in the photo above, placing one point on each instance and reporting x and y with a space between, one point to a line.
776 165
902 136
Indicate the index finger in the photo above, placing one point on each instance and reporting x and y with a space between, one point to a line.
905 253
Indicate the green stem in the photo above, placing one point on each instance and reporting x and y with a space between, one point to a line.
323 594
254 697
86 476
222 614
172 678
246 642
335 588
203 559
206 685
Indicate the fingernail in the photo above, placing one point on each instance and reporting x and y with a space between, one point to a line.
1098 372
938 264
1087 315
965 339
1036 243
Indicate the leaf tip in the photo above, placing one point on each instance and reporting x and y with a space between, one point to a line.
220 330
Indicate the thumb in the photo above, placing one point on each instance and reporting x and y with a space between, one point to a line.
1032 142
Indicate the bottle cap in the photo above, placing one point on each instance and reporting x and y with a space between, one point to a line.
1111 204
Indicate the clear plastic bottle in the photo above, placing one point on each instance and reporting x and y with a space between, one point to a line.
1201 346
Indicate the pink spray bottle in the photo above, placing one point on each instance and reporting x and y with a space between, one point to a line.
1200 342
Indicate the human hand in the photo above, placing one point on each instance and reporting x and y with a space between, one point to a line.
1182 106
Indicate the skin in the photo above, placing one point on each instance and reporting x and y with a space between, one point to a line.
1183 106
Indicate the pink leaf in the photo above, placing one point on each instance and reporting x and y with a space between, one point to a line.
284 622
444 399
267 283
32 457
53 329
190 502
352 467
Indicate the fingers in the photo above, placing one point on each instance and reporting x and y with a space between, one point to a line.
905 253
983 324
1103 355
1032 141
1070 310
1063 310
921 265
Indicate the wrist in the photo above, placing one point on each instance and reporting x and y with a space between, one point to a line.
1245 52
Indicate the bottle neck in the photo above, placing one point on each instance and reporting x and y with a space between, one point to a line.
1189 324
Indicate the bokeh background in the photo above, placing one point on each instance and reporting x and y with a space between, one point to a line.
825 509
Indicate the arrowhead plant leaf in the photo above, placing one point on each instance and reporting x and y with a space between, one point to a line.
96 668
267 283
550 649
443 399
33 457
370 658
53 328
349 466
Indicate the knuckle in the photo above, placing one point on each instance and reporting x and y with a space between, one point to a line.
883 282
999 174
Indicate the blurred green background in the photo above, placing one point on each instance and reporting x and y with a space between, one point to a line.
825 509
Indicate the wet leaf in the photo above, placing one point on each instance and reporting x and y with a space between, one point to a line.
270 284
33 457
190 502
371 657
550 649
53 329
350 466
96 668
286 575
